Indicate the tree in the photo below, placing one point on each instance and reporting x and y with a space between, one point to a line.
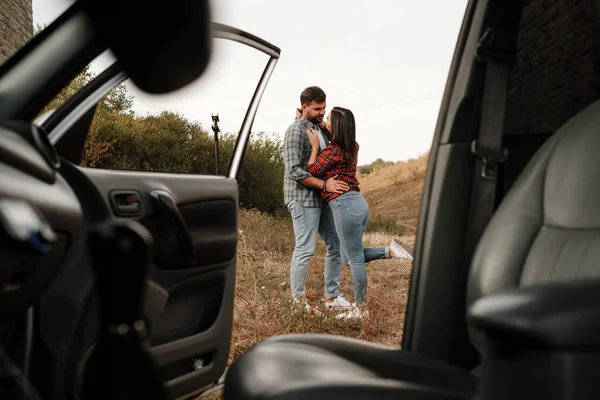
116 102
73 87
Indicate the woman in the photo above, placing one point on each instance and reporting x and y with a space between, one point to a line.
350 210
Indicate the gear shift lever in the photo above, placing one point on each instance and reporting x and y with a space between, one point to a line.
120 254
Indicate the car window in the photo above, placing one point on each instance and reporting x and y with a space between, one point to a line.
137 131
99 64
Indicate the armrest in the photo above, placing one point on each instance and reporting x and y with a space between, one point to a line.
540 342
564 316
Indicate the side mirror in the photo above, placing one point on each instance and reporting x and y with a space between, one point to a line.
162 45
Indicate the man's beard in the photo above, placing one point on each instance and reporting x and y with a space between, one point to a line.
315 120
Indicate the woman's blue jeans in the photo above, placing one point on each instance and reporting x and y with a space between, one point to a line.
351 215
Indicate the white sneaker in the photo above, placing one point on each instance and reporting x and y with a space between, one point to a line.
401 250
308 308
339 304
354 313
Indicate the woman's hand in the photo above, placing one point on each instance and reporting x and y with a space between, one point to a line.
298 113
315 144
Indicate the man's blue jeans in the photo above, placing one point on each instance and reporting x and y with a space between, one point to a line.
307 222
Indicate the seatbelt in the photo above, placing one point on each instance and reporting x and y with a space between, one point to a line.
488 146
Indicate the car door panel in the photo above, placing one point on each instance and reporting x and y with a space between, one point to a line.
193 322
212 226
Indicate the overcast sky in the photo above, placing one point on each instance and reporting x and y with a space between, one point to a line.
386 60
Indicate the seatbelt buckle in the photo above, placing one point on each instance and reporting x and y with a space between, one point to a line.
489 159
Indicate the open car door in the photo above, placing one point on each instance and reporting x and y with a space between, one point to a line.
194 222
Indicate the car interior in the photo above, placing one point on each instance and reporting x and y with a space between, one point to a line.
120 284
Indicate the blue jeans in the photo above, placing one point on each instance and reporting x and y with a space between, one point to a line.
307 222
351 215
371 254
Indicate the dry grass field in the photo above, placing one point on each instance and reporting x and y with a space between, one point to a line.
263 303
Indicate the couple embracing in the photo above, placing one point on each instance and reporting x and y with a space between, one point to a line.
323 196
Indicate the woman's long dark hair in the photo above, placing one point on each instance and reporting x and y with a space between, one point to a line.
343 132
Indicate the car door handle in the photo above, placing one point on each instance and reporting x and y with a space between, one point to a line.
167 208
126 203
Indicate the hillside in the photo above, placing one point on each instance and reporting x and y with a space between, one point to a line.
394 192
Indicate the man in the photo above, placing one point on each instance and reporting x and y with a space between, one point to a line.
302 197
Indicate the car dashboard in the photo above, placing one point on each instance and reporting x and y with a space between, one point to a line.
41 218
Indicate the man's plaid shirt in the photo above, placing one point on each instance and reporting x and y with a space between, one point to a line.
296 152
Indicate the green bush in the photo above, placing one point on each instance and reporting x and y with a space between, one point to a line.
374 166
169 143
365 169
